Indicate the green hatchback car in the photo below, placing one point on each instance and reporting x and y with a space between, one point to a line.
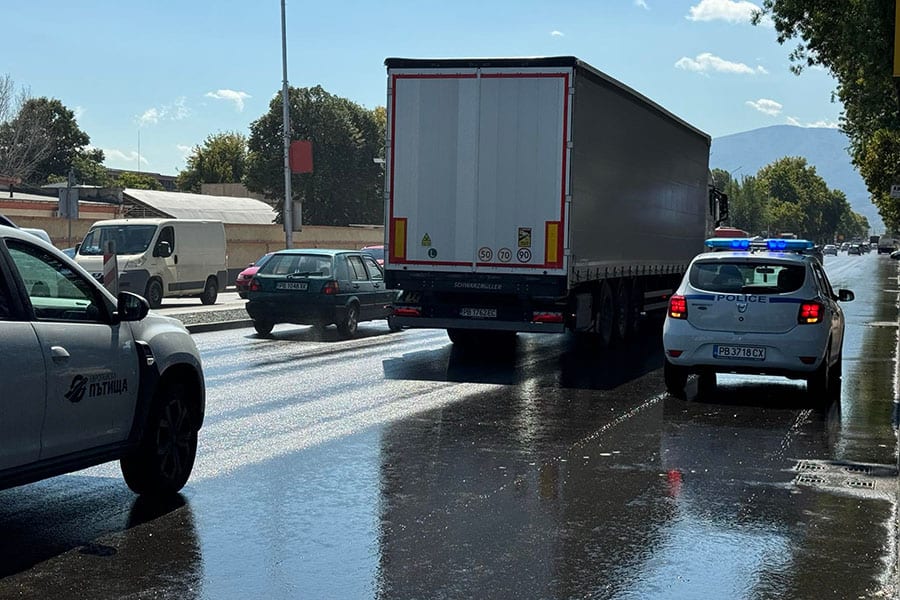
319 287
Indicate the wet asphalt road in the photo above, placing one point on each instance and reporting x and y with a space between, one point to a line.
393 466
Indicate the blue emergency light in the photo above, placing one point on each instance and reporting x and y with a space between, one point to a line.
774 244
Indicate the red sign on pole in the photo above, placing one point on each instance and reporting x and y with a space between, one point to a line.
300 156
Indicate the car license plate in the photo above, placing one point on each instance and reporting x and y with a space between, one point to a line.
291 285
478 313
743 352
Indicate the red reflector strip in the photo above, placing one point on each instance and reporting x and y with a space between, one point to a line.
675 353
407 311
547 317
678 307
808 360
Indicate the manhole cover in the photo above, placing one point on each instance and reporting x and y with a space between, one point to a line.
858 483
810 480
805 465
858 469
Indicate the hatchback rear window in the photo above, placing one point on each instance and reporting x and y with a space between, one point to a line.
747 278
314 265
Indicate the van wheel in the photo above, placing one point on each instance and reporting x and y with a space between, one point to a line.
163 461
210 292
154 293
350 324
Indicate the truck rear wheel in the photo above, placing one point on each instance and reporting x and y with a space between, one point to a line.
623 310
605 317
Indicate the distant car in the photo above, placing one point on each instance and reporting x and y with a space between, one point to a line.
319 287
764 310
243 279
70 252
830 250
376 252
38 233
895 254
845 246
865 248
854 249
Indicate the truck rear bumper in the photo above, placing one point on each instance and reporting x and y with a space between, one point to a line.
439 323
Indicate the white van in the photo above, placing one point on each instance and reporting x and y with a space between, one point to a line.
158 258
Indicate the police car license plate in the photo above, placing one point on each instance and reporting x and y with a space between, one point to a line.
478 313
744 352
291 285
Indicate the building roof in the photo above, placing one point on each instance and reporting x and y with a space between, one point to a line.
179 205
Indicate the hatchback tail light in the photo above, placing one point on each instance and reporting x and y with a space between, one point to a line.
331 288
254 285
407 311
810 313
678 307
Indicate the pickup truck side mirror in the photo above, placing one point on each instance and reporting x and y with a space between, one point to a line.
131 307
845 295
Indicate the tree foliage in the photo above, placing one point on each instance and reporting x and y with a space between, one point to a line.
58 126
789 196
221 159
346 186
23 144
854 40
137 181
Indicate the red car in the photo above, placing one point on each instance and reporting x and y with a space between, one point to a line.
243 279
376 252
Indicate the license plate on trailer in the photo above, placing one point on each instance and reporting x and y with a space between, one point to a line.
291 285
478 313
742 352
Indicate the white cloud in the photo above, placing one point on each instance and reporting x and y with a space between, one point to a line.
641 4
730 11
556 33
766 106
231 95
185 150
824 123
176 111
112 153
707 62
79 112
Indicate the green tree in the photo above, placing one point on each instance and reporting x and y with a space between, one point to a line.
854 40
137 181
346 185
221 159
57 125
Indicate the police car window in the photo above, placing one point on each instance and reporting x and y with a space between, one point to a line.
755 277
823 281
56 291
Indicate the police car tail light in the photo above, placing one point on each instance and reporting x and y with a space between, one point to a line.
810 313
678 307
331 288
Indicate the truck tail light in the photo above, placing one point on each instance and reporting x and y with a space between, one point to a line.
331 288
678 307
407 311
810 313
547 317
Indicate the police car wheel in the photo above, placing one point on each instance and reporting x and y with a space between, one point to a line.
675 378
818 384
164 460
706 383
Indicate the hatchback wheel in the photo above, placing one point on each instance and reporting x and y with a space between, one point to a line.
350 324
263 327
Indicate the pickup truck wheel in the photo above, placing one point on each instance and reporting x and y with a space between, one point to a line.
392 326
675 378
349 326
164 460
154 293
210 292
263 327
462 337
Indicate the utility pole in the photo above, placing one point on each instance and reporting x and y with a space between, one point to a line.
287 214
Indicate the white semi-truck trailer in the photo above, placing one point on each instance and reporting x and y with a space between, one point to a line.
536 195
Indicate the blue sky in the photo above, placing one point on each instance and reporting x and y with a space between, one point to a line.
171 72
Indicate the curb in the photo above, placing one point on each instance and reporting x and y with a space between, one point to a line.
218 325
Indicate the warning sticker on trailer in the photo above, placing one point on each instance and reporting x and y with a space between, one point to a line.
524 237
426 240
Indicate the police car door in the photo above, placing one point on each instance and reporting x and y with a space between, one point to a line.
22 377
92 369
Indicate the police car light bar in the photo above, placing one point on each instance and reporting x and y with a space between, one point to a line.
769 244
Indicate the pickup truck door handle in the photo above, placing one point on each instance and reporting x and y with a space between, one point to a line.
176 259
378 285
355 286
59 354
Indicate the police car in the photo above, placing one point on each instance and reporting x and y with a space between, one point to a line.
88 377
763 307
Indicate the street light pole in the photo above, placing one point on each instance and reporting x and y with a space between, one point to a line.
287 214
